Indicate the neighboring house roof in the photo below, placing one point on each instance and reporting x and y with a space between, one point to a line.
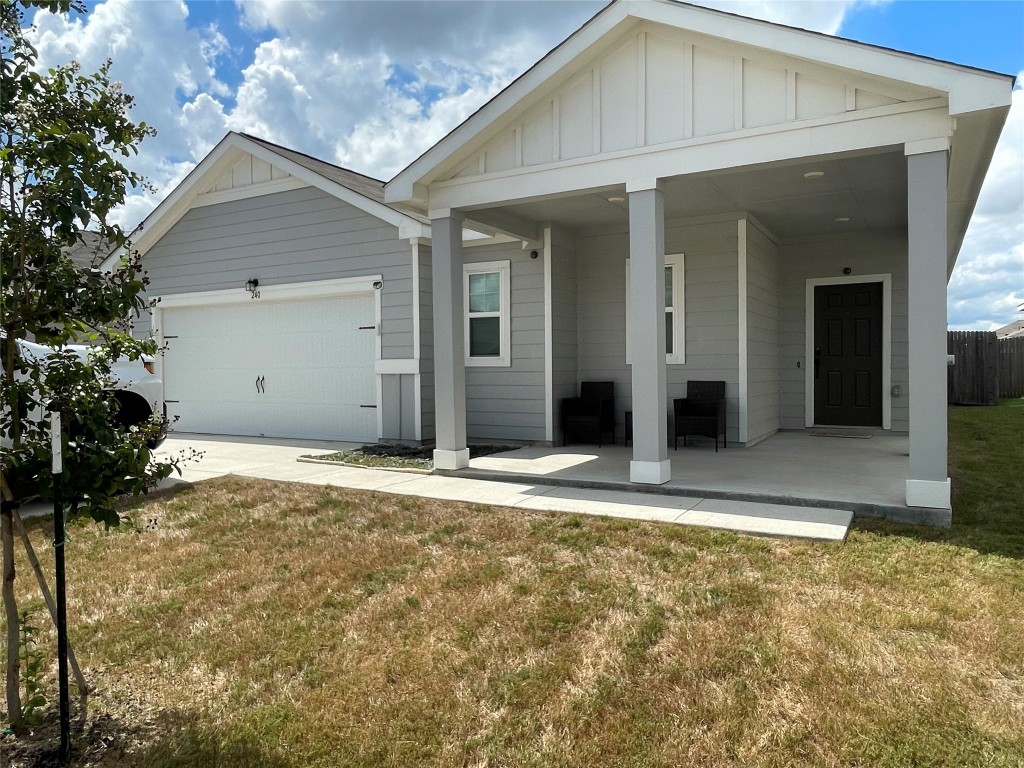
1011 331
358 190
90 251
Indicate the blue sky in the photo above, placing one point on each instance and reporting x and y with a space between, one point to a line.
370 85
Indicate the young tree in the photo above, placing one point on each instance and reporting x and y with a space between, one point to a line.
64 136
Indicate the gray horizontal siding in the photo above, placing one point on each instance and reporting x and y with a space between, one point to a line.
865 253
508 403
290 237
426 346
712 305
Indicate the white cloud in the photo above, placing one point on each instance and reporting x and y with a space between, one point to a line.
987 285
371 85
159 60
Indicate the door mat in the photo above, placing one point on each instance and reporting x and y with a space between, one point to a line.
858 435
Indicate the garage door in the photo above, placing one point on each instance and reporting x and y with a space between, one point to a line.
299 368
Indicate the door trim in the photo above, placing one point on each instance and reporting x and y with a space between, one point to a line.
812 282
312 289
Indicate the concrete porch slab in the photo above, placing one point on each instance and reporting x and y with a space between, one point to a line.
796 469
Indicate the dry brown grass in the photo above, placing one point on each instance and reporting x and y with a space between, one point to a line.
271 624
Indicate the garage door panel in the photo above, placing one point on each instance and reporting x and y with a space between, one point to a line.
314 362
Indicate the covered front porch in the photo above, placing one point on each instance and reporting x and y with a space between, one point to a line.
701 197
864 471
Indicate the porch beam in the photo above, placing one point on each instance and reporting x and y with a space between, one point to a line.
450 451
928 484
650 462
751 147
495 222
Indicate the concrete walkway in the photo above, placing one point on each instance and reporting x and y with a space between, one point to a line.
279 460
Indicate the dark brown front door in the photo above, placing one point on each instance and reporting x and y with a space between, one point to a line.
848 354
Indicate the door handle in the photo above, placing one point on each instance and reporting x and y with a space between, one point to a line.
817 361
261 384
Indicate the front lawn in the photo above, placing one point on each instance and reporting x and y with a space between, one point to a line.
253 623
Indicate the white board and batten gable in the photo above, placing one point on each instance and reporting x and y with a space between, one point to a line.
660 86
643 80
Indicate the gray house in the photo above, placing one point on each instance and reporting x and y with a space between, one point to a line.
672 194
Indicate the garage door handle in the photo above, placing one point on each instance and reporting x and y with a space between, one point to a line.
261 384
367 327
367 406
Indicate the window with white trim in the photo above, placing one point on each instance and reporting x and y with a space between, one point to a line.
487 301
675 315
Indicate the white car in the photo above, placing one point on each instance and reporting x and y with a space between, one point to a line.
133 383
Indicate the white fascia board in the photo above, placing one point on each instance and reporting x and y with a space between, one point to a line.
286 291
383 212
220 158
969 89
886 126
408 184
178 202
495 222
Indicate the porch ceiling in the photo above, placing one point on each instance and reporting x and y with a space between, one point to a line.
869 190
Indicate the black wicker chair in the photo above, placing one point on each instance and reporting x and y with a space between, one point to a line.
701 412
589 417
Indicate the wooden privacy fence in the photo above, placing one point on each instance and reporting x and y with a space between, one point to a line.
985 368
1011 367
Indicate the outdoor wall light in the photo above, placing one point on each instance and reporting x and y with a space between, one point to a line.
252 286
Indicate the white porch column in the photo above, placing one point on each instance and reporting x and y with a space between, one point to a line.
450 451
928 484
650 462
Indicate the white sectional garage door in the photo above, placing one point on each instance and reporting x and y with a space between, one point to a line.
297 368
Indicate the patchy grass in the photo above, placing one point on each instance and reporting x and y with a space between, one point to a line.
986 452
274 624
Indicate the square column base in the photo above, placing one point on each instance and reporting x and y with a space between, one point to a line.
444 459
929 493
650 472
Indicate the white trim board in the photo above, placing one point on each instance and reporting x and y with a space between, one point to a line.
288 292
743 375
251 190
414 243
306 290
317 289
549 352
968 89
227 152
504 269
886 280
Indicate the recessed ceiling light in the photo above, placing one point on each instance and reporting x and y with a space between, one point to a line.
842 219
814 174
616 199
